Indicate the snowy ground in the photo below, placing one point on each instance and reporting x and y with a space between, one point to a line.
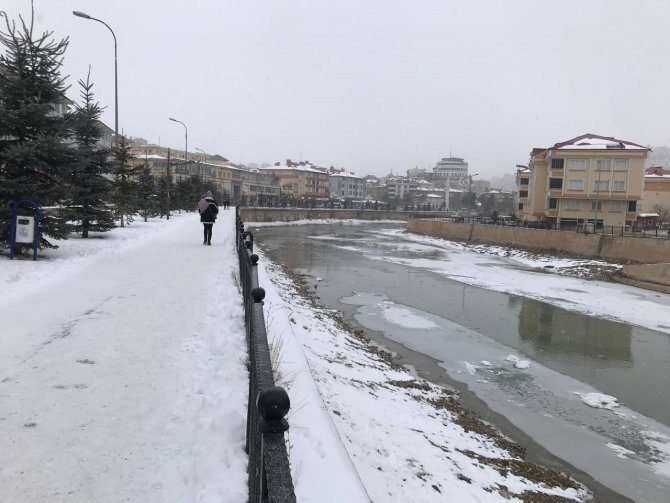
123 369
123 379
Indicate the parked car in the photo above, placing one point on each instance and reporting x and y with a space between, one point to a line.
505 220
539 224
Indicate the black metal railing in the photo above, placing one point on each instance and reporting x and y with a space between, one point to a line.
269 472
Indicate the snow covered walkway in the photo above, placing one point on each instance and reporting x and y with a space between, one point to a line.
122 371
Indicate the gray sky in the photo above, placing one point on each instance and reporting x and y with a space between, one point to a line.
373 85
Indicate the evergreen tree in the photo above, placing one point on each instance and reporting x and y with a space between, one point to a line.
90 189
183 194
148 196
35 157
125 192
163 195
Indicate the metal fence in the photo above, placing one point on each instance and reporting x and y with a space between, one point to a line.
269 472
611 230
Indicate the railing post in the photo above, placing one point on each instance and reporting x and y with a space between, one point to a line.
269 470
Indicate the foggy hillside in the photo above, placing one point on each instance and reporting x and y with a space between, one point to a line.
506 182
659 156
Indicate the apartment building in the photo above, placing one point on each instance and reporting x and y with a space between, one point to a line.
590 179
656 193
401 188
300 179
346 186
213 170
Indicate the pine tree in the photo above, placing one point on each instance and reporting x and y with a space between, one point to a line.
148 196
125 192
35 157
90 189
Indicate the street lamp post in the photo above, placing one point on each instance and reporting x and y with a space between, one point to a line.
116 76
185 136
206 155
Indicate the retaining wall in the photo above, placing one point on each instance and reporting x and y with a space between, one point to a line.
621 248
289 215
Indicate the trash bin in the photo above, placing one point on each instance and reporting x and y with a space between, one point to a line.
25 229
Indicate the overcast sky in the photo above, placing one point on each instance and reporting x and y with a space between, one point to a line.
372 85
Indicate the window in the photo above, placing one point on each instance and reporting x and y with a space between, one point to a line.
577 164
603 164
523 181
620 164
555 183
575 184
520 206
596 205
523 193
572 204
618 185
557 163
616 206
552 203
601 185
632 206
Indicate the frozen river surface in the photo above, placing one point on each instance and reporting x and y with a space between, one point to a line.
581 367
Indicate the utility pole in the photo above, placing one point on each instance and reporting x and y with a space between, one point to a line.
167 187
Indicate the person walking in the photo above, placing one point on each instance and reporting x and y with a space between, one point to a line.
208 209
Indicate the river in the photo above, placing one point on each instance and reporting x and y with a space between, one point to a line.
528 366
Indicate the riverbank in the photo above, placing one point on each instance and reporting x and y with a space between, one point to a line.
500 305
409 439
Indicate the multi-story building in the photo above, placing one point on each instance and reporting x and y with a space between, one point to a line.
300 179
590 179
346 186
258 188
501 201
420 173
402 188
656 193
214 170
450 171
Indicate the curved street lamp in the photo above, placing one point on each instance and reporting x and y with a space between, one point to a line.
206 154
186 137
116 78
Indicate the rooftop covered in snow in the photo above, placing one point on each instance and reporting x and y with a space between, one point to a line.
596 142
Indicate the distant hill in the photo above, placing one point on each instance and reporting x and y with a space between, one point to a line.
505 182
659 156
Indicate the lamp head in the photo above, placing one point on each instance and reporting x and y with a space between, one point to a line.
81 14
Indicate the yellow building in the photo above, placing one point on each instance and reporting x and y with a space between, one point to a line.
237 183
300 179
656 194
589 179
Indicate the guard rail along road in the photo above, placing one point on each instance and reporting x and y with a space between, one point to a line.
269 471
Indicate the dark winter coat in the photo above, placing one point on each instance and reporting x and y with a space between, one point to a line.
208 216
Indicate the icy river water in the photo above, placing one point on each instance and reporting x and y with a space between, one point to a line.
540 372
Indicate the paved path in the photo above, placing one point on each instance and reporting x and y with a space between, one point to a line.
124 379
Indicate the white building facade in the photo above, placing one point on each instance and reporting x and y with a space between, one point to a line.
346 186
452 170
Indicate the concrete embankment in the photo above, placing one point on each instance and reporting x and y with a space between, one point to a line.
650 256
289 215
